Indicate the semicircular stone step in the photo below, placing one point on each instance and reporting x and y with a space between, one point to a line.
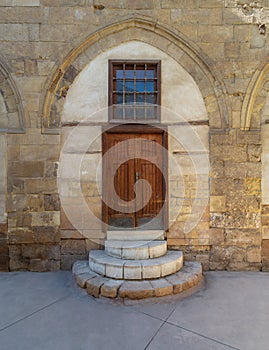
135 250
189 276
116 268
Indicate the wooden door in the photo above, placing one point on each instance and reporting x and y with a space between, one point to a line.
128 158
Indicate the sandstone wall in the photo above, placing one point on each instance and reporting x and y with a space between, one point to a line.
45 44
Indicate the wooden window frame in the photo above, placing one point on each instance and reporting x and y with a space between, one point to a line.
111 93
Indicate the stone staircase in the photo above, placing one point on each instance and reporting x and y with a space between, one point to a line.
133 268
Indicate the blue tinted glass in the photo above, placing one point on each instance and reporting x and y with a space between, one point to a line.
150 73
119 99
140 74
150 86
140 86
140 98
119 85
119 74
129 74
129 86
150 98
129 98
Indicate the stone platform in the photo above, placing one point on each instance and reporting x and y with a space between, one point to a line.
189 276
136 269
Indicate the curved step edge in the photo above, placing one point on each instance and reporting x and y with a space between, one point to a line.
116 268
136 250
189 276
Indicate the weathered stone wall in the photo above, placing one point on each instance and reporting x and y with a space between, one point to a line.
45 44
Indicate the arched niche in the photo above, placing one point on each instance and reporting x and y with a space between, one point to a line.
144 30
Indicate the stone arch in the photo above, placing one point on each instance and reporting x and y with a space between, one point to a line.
155 34
11 109
255 98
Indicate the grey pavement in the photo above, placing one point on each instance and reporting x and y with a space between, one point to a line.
47 311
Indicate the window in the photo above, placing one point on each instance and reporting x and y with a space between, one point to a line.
134 90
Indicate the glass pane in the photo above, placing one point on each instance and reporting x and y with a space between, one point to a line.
119 85
119 74
129 86
119 99
150 113
129 74
118 112
140 74
150 98
150 86
150 73
140 113
129 98
140 98
129 113
140 86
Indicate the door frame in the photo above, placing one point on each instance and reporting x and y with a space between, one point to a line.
137 129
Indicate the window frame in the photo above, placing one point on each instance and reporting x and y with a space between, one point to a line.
111 64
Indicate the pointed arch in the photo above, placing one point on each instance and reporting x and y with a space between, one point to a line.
11 110
142 29
257 89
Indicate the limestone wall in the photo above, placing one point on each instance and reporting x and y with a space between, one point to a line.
220 45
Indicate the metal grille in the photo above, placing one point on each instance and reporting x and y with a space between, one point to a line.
134 91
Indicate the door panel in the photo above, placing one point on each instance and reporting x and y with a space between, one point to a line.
136 157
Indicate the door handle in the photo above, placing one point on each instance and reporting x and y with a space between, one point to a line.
136 176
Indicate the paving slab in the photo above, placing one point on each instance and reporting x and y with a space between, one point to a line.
22 293
47 311
233 308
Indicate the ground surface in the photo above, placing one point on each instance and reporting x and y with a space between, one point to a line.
46 311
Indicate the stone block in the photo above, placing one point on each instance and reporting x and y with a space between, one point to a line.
156 249
82 279
71 234
46 218
72 2
41 265
73 246
4 263
46 234
94 286
51 169
67 261
110 288
26 169
217 203
215 34
114 269
132 270
14 32
40 251
52 202
42 152
26 2
151 271
162 287
136 290
39 185
21 235
35 202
